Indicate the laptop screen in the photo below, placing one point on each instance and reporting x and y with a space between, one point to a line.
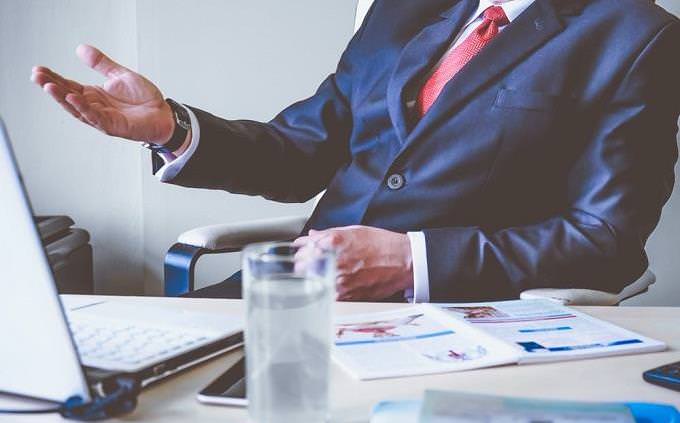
38 357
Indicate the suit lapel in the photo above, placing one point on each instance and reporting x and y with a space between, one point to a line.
421 53
539 23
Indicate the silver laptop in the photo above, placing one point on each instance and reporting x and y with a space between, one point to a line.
56 348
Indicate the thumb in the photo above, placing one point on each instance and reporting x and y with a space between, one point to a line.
98 61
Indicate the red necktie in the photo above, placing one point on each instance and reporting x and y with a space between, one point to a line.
494 17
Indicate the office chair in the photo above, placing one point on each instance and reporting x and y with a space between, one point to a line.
181 259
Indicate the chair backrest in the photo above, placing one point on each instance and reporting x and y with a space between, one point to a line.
362 9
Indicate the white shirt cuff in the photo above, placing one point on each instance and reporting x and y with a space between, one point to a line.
421 279
171 168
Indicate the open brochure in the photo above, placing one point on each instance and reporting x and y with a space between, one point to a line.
414 341
437 338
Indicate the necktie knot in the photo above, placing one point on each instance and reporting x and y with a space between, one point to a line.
457 58
496 15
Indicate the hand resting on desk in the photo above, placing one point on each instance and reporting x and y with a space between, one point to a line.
373 263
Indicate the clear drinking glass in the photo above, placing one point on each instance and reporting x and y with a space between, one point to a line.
289 293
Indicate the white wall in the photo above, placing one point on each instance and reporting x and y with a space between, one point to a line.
70 168
235 58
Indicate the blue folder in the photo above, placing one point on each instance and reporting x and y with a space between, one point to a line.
408 411
653 413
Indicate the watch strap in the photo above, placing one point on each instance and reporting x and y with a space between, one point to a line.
182 126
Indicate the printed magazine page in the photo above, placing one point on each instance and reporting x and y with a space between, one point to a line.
544 330
412 342
452 407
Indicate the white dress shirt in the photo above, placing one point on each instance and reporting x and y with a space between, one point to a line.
421 281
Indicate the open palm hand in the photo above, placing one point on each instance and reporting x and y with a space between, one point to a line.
127 105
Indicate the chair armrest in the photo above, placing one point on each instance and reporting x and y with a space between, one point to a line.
181 259
590 296
237 235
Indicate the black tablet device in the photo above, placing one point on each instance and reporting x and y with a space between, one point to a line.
228 389
667 376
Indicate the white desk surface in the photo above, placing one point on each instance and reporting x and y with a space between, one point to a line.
603 379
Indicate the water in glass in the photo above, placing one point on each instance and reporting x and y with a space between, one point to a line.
288 339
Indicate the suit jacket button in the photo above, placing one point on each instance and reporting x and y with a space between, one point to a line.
395 181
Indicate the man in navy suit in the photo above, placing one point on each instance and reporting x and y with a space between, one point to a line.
469 149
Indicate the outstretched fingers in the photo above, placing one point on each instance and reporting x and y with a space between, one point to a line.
59 95
42 75
59 88
98 61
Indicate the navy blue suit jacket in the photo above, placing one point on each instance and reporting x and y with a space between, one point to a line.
545 162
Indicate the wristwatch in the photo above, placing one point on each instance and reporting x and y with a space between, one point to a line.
182 127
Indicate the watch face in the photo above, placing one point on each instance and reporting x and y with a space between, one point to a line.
181 116
181 122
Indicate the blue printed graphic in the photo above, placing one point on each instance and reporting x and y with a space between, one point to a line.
545 329
536 347
395 339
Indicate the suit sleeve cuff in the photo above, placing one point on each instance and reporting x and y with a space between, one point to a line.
421 281
171 168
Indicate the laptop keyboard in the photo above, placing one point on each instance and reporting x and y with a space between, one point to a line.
119 345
